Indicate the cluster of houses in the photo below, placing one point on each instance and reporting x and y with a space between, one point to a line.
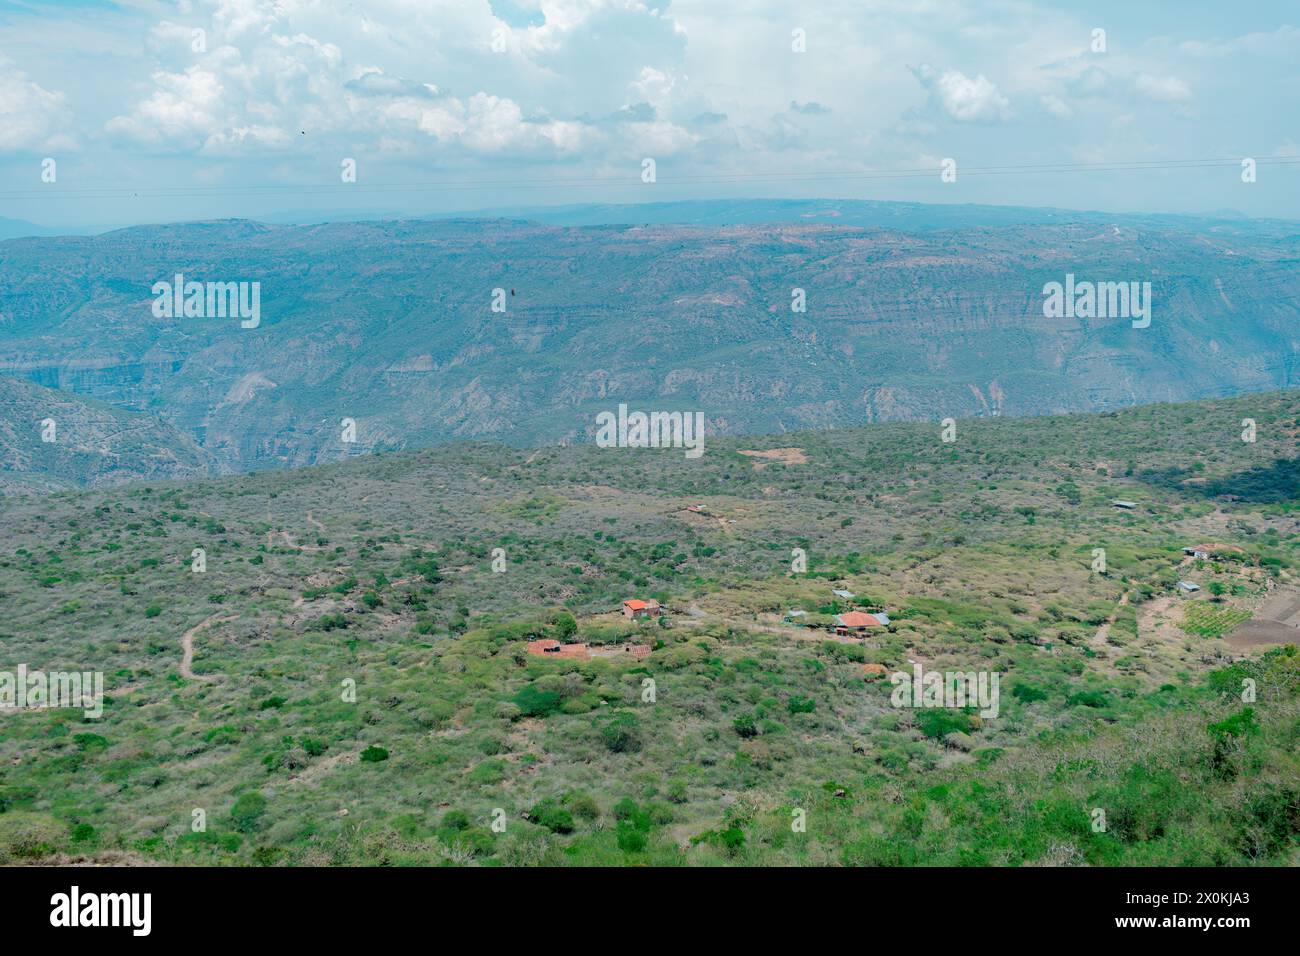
854 623
634 609
1212 552
1206 552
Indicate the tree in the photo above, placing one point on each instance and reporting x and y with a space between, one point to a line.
565 625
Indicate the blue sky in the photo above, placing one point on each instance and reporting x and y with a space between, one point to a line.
488 103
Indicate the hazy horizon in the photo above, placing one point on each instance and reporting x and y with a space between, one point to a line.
604 214
158 112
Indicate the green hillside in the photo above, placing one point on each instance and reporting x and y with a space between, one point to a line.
741 738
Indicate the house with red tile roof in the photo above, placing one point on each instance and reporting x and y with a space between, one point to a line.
855 622
636 609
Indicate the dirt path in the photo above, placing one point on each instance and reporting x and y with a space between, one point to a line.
1103 633
315 524
290 541
187 647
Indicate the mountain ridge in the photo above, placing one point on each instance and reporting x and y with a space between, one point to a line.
391 325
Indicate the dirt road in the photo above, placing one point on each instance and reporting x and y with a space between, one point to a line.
187 647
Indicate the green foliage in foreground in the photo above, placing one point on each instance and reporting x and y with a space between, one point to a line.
369 698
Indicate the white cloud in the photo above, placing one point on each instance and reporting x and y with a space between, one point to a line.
1164 89
652 86
965 99
180 114
1056 106
270 70
595 85
31 117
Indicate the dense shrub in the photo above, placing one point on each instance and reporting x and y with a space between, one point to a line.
246 814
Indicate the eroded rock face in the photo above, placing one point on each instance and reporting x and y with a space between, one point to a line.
56 439
391 325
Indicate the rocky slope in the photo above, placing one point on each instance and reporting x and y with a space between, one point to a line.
52 440
391 324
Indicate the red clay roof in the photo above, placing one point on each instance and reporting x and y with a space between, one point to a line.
635 605
859 619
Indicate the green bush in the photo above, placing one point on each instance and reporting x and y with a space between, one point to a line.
534 701
938 722
552 816
330 622
564 624
246 814
630 839
1027 692
29 836
456 820
1088 698
621 732
582 805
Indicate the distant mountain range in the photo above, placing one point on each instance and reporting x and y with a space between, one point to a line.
19 228
865 214
912 312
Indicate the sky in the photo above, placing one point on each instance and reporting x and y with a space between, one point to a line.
199 109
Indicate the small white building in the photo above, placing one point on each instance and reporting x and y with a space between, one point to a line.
1188 586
